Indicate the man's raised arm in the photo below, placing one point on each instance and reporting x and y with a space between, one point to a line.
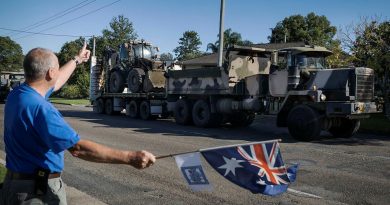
67 69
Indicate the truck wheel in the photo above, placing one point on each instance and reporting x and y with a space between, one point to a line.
134 80
202 116
98 106
132 109
109 108
347 128
304 123
242 119
117 83
144 111
182 112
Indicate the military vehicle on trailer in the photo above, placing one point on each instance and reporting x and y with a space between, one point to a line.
136 66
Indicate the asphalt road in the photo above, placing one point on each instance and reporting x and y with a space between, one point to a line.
337 171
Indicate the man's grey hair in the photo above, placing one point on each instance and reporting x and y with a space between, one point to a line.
37 62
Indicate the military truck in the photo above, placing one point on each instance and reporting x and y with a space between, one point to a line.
292 83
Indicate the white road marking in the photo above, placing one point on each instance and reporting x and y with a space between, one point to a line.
303 193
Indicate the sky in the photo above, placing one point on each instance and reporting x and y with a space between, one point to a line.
162 22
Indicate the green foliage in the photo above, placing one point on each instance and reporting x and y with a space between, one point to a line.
11 55
80 77
230 38
121 30
372 48
71 91
166 57
340 58
3 172
312 29
188 46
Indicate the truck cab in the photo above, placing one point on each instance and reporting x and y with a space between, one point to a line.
319 98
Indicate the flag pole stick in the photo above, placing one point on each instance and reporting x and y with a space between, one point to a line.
213 148
174 154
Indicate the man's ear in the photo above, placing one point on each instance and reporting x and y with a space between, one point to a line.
50 74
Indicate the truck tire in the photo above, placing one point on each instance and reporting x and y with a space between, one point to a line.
98 106
202 116
134 80
304 123
109 107
347 128
241 119
182 112
133 110
117 83
144 111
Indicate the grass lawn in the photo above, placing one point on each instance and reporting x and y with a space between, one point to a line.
377 123
70 101
3 170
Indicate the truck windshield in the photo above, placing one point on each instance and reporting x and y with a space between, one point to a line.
148 51
305 61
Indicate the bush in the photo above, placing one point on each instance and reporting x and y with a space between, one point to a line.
71 92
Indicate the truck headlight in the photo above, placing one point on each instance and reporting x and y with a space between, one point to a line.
323 97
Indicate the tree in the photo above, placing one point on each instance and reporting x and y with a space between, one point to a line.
166 57
121 30
230 38
188 46
312 29
78 83
339 58
372 48
11 55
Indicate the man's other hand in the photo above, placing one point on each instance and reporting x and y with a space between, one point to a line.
141 159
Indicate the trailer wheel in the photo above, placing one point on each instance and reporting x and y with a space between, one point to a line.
132 109
144 111
347 128
134 80
242 119
304 123
109 107
117 83
202 116
182 112
98 106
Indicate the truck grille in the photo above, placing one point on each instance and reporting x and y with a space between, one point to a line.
364 87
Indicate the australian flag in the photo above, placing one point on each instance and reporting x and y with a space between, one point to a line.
256 167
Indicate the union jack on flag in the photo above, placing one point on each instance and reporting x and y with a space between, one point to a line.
257 167
268 159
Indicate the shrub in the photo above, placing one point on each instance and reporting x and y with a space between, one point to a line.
71 92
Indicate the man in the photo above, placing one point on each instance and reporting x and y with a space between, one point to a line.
36 135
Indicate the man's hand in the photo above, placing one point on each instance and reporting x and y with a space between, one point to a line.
141 159
84 54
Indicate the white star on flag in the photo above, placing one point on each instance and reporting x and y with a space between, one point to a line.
231 165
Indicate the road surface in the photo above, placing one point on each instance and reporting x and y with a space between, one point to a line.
332 171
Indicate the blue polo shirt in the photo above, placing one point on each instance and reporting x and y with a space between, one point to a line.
35 133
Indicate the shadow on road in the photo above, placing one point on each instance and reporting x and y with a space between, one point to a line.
263 128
